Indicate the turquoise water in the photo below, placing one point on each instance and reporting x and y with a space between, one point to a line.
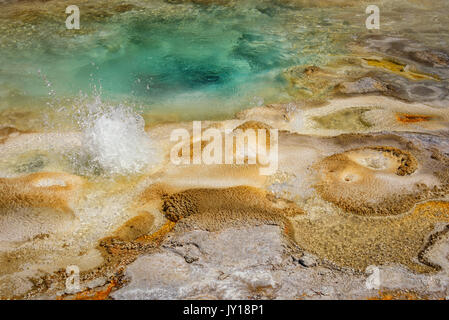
195 61
184 60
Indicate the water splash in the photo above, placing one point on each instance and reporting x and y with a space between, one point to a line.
114 141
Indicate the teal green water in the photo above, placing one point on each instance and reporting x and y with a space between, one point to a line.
195 60
190 60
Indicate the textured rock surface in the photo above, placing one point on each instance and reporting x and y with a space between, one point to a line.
232 264
254 263
359 204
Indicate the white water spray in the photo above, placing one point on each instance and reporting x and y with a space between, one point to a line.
114 139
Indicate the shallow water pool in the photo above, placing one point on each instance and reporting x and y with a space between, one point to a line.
180 60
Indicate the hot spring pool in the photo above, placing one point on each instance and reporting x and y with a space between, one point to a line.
190 60
178 60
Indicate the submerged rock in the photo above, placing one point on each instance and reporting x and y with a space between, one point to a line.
363 85
429 60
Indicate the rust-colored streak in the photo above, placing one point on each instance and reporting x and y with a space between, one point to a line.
159 235
92 294
398 295
412 118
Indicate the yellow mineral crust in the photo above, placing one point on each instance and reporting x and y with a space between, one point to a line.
255 125
376 181
360 241
214 209
6 132
41 190
135 227
399 69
